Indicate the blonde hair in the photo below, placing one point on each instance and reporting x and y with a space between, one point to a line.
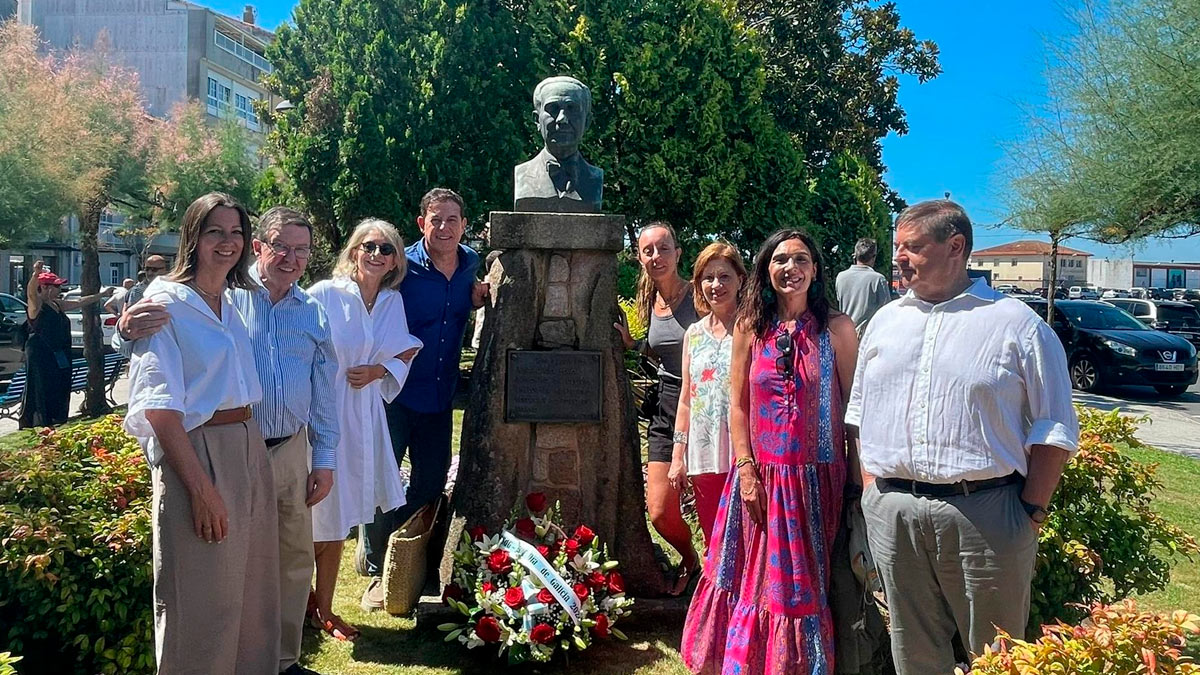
718 250
644 300
348 267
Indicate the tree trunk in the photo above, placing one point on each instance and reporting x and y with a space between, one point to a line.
94 403
1055 238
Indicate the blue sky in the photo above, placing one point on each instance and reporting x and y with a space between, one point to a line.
993 60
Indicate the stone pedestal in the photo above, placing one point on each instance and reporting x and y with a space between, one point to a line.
554 288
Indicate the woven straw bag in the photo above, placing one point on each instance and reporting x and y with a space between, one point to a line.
404 563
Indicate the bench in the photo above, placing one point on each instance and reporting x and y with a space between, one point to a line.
10 400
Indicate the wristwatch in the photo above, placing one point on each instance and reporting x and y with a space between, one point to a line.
1036 513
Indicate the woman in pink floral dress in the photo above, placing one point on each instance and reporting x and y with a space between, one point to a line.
760 606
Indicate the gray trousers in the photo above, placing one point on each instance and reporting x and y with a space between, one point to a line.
289 464
216 606
961 563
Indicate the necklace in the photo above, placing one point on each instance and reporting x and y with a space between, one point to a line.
669 303
201 291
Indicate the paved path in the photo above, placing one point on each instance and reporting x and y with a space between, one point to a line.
120 394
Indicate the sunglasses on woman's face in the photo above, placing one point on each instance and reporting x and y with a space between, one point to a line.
783 364
373 247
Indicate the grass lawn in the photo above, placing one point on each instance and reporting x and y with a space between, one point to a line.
1178 503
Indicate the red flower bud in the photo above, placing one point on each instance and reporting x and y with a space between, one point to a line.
543 633
499 562
585 535
571 547
536 502
544 550
582 591
488 629
477 533
616 583
526 529
451 592
487 587
597 580
601 627
514 597
545 596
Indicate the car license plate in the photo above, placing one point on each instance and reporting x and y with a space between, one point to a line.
1170 367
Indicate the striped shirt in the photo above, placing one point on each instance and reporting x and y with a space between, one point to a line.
293 352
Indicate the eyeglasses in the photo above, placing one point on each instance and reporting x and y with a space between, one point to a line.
281 250
371 248
783 364
155 270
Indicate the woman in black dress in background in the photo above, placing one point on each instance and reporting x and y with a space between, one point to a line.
48 349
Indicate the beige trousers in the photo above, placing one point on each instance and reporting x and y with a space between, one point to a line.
216 606
289 463
961 563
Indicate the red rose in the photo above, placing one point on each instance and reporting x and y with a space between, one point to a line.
451 592
545 596
515 598
487 587
571 547
597 580
526 529
616 583
477 532
488 629
499 562
543 633
544 550
584 534
582 591
536 501
601 627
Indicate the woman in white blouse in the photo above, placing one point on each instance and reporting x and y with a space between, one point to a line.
374 349
216 587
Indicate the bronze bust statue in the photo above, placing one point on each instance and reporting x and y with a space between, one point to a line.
558 179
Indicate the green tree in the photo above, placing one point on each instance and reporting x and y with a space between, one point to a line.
848 204
392 99
832 71
1114 155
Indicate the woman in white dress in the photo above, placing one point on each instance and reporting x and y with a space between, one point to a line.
374 349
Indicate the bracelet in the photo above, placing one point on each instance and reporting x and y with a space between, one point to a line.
742 461
680 437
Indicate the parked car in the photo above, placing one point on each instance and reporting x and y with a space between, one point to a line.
1114 293
1083 293
1009 289
1157 293
12 315
1060 293
1106 345
1177 318
108 323
1139 292
1189 295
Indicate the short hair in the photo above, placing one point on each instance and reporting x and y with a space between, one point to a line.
276 218
718 250
194 219
440 194
346 264
865 250
563 79
941 218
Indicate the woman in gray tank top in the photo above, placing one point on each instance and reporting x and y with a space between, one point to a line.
665 303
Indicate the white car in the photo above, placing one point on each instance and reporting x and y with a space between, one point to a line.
108 323
1083 293
1114 293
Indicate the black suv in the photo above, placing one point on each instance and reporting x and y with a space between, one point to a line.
1172 316
1106 346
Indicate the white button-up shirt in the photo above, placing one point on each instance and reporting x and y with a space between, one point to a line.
959 390
196 365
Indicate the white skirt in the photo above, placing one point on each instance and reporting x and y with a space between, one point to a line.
367 477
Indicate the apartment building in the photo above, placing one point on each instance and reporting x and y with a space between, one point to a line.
1026 264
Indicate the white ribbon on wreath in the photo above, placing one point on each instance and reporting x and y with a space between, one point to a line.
529 558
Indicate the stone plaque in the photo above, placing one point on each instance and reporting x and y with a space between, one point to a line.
553 386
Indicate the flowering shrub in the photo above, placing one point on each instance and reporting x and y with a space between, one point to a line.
507 605
1102 540
75 573
1116 639
6 663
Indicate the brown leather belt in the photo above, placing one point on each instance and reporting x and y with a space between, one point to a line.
231 416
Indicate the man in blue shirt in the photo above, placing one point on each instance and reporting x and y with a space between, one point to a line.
439 293
297 366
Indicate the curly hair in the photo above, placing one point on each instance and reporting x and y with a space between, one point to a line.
760 306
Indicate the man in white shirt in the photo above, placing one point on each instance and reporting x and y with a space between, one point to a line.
963 406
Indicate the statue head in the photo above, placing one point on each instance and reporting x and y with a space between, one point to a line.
562 108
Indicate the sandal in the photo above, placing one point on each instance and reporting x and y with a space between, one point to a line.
685 578
337 629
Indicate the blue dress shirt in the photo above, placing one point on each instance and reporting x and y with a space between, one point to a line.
293 353
437 309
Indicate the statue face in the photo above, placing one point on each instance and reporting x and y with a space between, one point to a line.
562 118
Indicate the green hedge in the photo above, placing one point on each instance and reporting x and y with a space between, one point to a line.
75 572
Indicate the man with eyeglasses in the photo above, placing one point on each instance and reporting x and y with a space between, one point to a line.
155 265
439 293
297 366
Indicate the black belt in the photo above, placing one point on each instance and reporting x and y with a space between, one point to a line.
274 442
962 487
